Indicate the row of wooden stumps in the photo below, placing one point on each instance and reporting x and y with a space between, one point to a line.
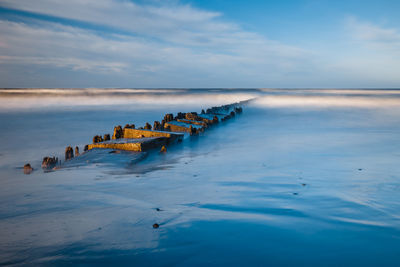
161 134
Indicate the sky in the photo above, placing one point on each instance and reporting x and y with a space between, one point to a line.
200 44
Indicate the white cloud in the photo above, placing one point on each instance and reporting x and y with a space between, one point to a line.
173 23
118 43
374 35
370 55
166 45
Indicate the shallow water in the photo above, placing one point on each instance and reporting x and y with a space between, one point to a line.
301 177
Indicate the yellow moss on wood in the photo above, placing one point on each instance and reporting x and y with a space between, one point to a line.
137 133
140 145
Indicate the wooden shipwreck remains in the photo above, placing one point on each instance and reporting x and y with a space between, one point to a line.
139 140
170 130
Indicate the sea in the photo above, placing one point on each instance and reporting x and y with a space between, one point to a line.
303 177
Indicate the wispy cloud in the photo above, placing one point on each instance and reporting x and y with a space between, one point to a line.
154 45
376 35
120 43
371 55
169 22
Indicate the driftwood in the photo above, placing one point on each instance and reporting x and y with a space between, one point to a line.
49 163
69 153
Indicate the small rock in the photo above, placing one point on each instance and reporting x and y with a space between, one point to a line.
86 148
156 225
28 168
163 149
158 209
360 169
147 126
76 151
107 137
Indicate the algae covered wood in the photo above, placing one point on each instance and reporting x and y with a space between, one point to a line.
177 126
201 123
139 145
138 133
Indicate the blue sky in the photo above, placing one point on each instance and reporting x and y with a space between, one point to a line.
187 43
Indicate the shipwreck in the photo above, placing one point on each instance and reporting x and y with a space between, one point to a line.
170 130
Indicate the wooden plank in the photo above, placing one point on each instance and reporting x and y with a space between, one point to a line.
139 133
141 144
177 126
201 123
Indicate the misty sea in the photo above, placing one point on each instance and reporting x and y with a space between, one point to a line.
302 177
